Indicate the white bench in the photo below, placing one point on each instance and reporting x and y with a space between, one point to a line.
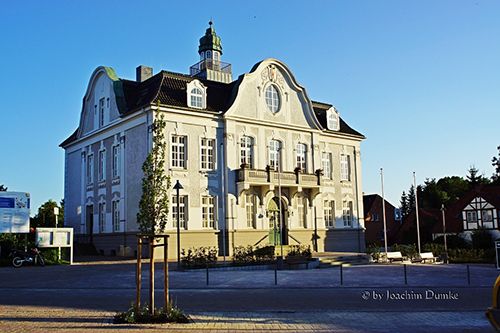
394 256
426 256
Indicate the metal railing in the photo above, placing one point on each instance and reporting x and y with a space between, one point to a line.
211 64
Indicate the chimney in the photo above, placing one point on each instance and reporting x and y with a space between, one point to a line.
142 73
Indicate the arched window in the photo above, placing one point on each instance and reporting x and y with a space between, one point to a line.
196 98
273 99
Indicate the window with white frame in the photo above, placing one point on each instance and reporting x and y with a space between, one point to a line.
208 211
273 100
275 154
101 112
329 213
178 148
102 165
196 98
90 169
181 213
326 163
301 153
302 211
347 213
115 207
102 217
246 151
471 216
332 117
207 154
487 218
116 161
345 167
251 210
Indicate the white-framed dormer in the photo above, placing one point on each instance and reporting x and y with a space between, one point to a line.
196 95
332 119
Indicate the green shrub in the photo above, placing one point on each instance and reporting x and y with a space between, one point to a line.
248 254
142 316
409 251
198 256
482 239
299 250
452 241
264 254
243 254
374 251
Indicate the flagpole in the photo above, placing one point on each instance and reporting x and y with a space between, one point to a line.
416 211
383 208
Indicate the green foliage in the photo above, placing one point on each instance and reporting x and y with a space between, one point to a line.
9 242
471 255
198 256
482 239
495 162
453 242
374 251
253 255
403 205
134 315
154 203
299 250
410 251
46 217
474 178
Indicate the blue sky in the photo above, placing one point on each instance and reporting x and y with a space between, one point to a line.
421 79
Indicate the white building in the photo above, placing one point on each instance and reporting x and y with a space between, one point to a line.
235 146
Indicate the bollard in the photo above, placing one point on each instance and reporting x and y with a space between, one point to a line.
341 275
276 273
406 278
468 275
207 275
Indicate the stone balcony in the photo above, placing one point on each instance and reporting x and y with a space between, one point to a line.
269 178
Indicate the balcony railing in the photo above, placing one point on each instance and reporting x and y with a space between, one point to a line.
269 176
215 65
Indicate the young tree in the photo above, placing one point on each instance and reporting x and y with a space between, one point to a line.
404 205
474 178
154 204
411 199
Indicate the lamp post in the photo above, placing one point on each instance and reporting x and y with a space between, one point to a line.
177 188
444 235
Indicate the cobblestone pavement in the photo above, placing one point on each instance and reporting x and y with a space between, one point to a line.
27 319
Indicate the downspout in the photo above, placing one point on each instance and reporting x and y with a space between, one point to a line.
357 198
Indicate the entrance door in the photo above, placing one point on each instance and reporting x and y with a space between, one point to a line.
277 235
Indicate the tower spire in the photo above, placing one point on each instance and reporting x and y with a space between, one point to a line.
210 50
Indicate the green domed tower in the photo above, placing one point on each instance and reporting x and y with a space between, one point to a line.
210 67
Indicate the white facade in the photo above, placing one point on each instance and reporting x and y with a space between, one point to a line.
269 125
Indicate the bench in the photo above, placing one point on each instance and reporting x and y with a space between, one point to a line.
394 256
426 256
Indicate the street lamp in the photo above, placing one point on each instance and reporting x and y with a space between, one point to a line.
444 235
177 188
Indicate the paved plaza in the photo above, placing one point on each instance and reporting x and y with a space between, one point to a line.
371 298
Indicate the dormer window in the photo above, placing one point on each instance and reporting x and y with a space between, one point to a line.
197 95
332 118
196 98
